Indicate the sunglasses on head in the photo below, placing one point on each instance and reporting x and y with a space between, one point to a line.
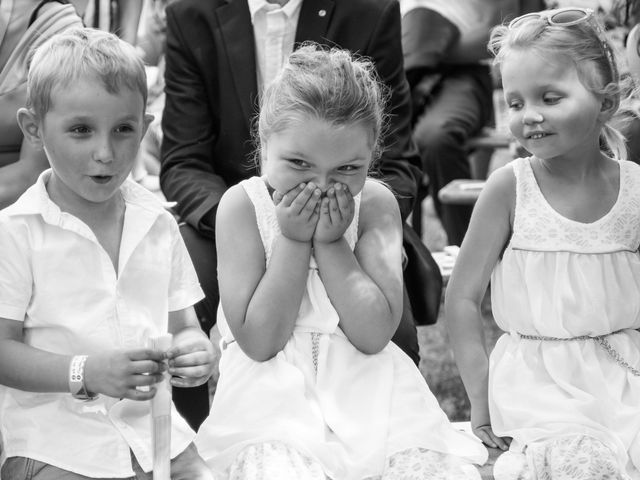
562 16
567 17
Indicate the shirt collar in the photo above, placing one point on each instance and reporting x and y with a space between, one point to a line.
288 9
35 200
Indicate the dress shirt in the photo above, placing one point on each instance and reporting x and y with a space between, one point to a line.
57 279
274 28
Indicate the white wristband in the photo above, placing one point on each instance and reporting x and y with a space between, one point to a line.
76 378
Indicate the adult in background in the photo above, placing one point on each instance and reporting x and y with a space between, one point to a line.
24 25
444 44
219 56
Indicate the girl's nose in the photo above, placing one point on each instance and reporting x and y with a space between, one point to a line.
531 115
323 182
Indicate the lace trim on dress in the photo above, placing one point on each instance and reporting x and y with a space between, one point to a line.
538 227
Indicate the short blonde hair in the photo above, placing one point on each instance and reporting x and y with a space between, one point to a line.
81 52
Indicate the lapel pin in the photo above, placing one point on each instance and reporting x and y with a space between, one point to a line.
322 13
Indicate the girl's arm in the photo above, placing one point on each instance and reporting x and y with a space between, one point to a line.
488 233
365 286
116 373
260 304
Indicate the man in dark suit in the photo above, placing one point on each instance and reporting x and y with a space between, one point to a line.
212 88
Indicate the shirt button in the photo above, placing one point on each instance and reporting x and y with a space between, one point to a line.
322 13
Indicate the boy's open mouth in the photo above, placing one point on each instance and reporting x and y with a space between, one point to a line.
101 178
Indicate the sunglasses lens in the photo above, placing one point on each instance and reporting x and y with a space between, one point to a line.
567 17
524 19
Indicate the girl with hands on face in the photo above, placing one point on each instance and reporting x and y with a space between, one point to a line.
310 275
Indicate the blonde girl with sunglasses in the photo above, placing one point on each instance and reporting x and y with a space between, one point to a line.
557 236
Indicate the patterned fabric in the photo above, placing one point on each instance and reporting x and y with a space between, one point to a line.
569 458
278 460
539 227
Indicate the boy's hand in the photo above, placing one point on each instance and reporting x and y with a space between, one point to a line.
190 358
336 213
118 373
297 211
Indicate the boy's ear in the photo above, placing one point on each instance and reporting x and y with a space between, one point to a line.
30 126
148 118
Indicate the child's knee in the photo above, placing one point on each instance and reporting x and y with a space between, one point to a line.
189 465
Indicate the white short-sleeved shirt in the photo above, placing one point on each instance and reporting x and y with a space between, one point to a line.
57 279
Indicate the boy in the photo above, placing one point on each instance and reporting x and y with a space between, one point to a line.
91 267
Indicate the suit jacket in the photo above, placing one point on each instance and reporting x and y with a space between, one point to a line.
212 95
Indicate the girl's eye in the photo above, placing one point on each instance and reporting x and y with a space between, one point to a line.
551 99
514 105
80 130
297 163
349 168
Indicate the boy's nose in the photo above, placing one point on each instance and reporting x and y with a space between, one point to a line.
103 152
323 183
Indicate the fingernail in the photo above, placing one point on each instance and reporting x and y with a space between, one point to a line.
338 186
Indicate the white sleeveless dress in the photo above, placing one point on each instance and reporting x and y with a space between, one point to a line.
571 407
337 412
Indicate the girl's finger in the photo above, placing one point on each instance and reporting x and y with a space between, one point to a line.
335 215
344 199
147 366
292 195
305 198
277 197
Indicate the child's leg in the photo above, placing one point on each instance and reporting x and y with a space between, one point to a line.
189 465
419 463
567 458
21 468
274 460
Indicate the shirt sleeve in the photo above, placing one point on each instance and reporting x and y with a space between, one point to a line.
184 287
16 279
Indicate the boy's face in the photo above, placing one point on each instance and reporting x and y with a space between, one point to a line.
91 138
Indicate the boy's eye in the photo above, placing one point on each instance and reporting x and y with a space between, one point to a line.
125 129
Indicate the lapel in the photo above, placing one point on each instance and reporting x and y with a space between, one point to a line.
314 21
234 22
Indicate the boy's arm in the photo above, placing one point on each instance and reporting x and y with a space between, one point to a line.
365 286
27 368
116 374
486 238
260 304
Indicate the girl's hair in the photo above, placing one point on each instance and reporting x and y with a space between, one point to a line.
327 84
584 45
82 52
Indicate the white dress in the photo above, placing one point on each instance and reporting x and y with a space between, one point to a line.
342 410
568 404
